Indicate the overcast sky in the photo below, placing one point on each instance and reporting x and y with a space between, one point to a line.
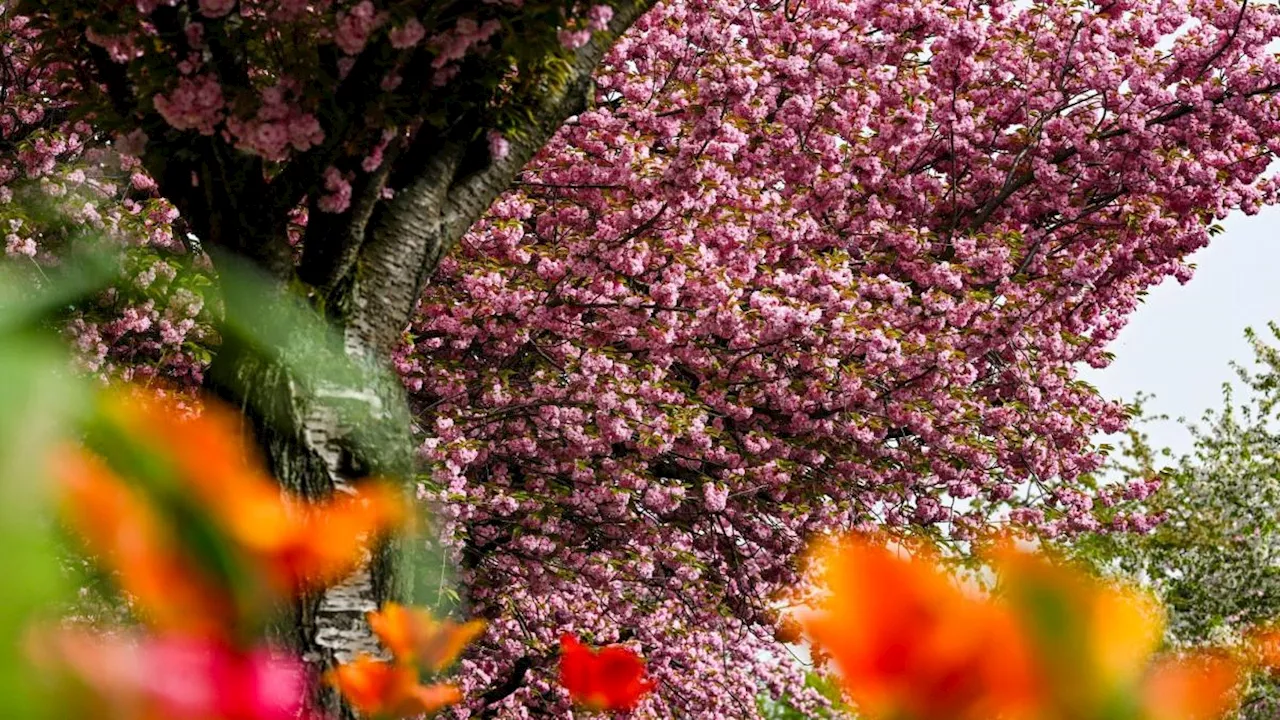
1178 344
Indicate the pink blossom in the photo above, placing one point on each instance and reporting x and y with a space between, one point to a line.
391 81
407 35
793 273
598 17
499 147
715 497
18 246
120 48
278 126
573 39
216 8
337 196
195 104
466 36
354 27
134 143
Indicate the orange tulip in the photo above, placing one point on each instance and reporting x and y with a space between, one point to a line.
611 678
1125 626
130 539
207 451
267 542
413 635
910 643
1265 646
320 543
1203 686
300 543
385 690
1095 639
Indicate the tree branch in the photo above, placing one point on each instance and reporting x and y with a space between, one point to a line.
1015 183
472 195
427 218
332 242
513 682
406 241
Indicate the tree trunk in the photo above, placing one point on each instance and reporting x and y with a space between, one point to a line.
321 432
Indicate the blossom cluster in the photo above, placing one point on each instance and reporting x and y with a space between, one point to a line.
65 185
274 106
804 273
794 270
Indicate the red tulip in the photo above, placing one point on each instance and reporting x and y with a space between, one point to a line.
611 678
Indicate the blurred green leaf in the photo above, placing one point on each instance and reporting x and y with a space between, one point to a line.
36 407
59 289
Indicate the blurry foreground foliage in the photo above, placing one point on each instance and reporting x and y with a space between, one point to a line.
48 406
1214 562
40 398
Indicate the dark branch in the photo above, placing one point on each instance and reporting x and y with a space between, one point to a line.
513 683
410 234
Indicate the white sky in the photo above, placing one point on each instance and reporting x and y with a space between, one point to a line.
1178 344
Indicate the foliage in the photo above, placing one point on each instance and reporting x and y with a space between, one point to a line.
1215 558
34 403
828 688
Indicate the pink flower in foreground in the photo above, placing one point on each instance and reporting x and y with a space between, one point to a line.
177 678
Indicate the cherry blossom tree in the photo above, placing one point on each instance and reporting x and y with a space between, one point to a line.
815 266
768 270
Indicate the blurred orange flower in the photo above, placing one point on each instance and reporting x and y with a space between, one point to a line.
304 543
385 690
263 540
610 678
320 543
1095 639
414 635
910 643
1054 644
129 538
1264 643
1202 686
